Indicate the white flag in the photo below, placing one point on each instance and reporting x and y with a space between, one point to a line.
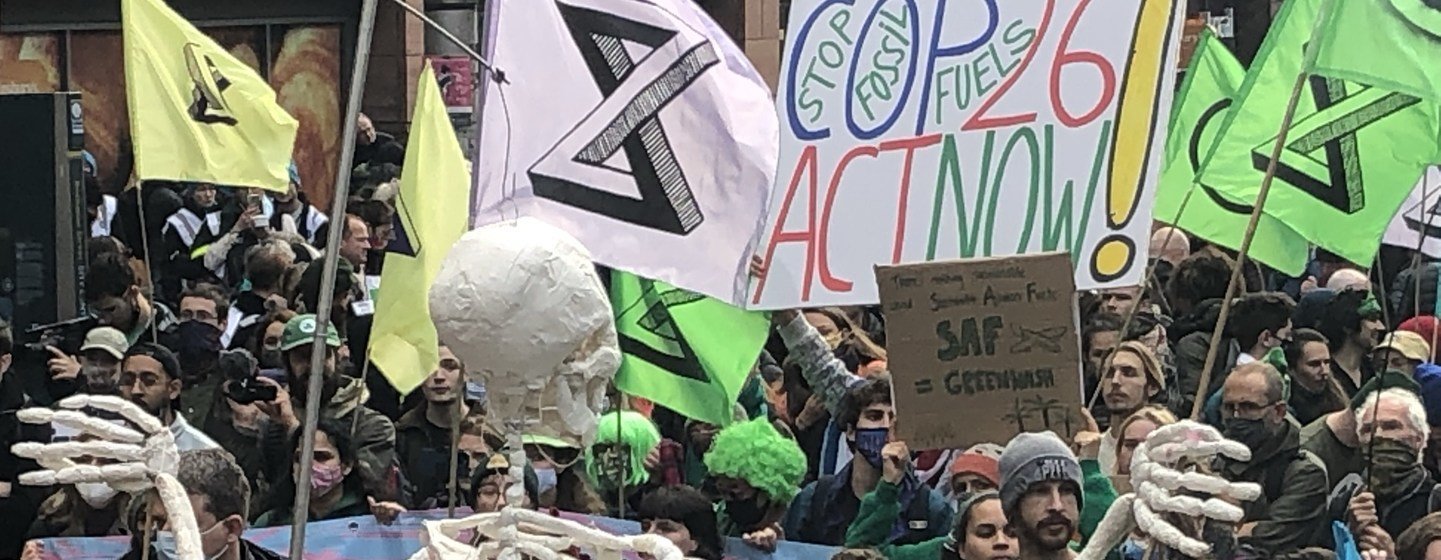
637 126
1419 216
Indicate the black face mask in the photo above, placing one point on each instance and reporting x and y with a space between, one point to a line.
272 358
198 347
1252 433
747 514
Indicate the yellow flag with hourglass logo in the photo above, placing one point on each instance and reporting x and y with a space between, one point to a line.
196 112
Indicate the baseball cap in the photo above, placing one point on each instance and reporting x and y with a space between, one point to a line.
108 339
1409 344
300 331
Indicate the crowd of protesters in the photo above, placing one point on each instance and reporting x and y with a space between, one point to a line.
1331 380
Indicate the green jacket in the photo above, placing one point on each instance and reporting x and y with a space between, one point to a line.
351 504
1292 514
880 508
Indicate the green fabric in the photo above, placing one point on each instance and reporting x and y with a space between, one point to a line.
880 508
1393 44
1353 152
1201 106
685 351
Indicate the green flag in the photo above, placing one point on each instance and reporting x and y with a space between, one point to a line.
1352 154
685 351
1391 44
1206 93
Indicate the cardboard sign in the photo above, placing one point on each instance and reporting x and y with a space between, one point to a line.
982 349
929 130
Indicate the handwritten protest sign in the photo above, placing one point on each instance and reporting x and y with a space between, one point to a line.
982 349
919 130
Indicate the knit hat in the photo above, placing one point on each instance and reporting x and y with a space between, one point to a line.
1408 344
1033 458
975 463
1154 373
1424 325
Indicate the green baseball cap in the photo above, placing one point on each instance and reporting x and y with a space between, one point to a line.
301 331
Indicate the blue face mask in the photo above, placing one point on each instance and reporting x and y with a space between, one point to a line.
869 442
1133 549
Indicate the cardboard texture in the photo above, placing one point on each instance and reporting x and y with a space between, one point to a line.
982 349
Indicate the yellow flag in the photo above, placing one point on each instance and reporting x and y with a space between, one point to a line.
196 112
432 211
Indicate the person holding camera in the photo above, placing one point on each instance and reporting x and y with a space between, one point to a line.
342 399
115 298
236 421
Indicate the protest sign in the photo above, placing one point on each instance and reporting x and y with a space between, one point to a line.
362 538
1418 217
982 349
639 128
926 130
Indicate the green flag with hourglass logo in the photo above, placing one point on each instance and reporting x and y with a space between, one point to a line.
685 351
1352 154
1206 95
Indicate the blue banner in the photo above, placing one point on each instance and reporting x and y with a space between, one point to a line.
361 538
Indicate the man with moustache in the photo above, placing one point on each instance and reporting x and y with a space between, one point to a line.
1131 380
150 377
341 399
1041 494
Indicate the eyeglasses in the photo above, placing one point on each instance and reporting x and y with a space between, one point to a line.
1245 409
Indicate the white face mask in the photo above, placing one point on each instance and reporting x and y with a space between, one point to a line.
97 494
164 545
545 480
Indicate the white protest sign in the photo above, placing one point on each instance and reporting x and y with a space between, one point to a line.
638 127
1418 217
919 130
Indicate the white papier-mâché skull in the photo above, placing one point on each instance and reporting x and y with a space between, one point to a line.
520 303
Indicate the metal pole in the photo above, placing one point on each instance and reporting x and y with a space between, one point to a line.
443 32
318 347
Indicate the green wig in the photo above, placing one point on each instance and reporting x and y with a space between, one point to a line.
756 453
635 438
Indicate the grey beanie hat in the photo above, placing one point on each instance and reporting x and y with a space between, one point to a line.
1032 458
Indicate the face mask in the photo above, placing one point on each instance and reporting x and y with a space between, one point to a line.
325 477
747 514
1133 549
271 358
1396 467
100 380
198 346
546 480
97 494
164 545
1252 433
869 442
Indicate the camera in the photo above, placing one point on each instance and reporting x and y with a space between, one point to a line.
32 354
242 378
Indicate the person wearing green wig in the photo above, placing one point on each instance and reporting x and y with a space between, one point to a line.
757 471
615 463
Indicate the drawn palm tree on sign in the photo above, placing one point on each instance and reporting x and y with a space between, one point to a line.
1069 417
1043 405
1018 415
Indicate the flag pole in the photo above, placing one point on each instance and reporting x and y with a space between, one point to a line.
145 247
1149 278
455 420
1308 60
445 33
318 349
